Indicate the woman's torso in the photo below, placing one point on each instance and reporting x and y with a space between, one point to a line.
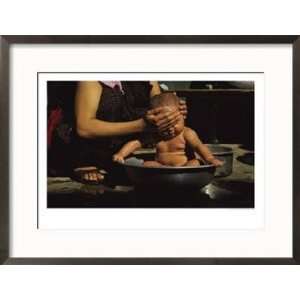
116 105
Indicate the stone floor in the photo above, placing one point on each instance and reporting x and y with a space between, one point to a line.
235 190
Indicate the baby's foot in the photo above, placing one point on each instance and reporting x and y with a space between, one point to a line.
193 163
152 163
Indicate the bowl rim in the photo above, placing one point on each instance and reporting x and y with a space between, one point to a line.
209 166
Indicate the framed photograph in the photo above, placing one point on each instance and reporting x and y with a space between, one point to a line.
149 149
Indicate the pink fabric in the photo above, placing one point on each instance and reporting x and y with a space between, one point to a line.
54 119
113 84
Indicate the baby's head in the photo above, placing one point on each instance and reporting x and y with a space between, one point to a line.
165 99
171 101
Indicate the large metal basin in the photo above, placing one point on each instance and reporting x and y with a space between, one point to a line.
168 177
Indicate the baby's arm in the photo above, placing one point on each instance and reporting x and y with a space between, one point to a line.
126 150
194 141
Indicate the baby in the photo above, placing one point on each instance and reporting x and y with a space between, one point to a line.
171 152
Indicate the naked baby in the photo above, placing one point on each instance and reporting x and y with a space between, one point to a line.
172 152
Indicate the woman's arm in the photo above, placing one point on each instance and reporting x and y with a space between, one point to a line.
155 90
87 99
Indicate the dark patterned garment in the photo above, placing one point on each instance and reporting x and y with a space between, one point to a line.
115 106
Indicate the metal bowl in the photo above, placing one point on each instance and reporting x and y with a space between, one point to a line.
168 177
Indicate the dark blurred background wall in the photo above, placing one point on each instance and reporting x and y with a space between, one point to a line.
220 111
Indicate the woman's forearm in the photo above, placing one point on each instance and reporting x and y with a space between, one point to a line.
97 128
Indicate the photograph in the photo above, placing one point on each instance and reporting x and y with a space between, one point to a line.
150 144
151 149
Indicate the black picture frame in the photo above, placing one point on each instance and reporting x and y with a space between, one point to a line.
7 41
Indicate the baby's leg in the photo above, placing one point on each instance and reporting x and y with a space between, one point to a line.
193 163
152 163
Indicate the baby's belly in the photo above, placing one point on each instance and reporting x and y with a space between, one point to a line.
174 159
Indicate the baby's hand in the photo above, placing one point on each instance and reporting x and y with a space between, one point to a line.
118 158
216 162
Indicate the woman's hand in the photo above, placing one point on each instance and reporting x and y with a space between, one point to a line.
183 108
163 118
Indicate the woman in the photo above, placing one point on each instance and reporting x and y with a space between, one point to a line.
110 113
